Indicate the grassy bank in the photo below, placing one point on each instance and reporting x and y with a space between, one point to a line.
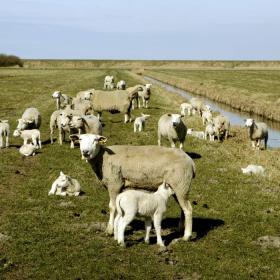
249 91
62 238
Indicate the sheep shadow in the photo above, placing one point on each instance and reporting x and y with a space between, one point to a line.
193 155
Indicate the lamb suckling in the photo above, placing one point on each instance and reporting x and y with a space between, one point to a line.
28 150
151 205
29 134
253 169
4 132
65 185
139 122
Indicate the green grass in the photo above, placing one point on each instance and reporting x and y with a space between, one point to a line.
59 238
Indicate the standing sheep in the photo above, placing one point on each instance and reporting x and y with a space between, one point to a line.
121 85
30 134
4 132
221 126
150 205
171 126
206 117
139 122
30 119
198 105
61 99
115 167
210 130
145 95
186 107
109 82
257 131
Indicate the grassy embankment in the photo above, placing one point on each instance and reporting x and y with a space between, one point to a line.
59 238
253 91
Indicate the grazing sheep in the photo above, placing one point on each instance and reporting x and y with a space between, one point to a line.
210 130
114 101
257 131
28 150
139 122
253 169
206 117
109 82
144 167
171 126
121 85
152 206
221 126
61 99
30 119
29 134
197 134
198 105
4 132
186 107
145 94
65 185
85 94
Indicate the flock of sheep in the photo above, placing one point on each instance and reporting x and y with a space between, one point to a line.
115 166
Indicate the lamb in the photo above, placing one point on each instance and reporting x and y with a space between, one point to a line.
171 126
198 105
109 82
253 169
4 132
28 150
206 117
54 123
30 119
150 205
210 130
186 107
65 185
114 102
197 134
121 85
115 167
145 94
221 126
30 134
257 131
85 95
61 99
139 122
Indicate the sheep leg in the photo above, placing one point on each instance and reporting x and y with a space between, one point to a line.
181 145
135 127
172 143
140 127
253 144
7 141
146 104
159 139
148 227
116 226
187 211
34 142
123 223
53 188
1 141
157 224
24 141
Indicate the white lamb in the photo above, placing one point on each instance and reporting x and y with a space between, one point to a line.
136 202
197 134
253 169
210 130
28 150
29 134
186 107
4 132
206 117
65 185
139 122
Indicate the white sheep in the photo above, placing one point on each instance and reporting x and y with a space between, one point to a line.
81 106
253 169
136 202
109 82
65 185
198 105
30 134
139 122
210 130
28 150
4 132
31 118
206 117
221 126
85 94
186 107
171 126
61 99
197 134
257 132
145 94
121 84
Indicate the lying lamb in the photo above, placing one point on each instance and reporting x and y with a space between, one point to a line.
29 134
28 150
150 205
65 185
139 122
197 134
253 169
4 132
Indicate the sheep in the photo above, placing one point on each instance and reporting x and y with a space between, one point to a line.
114 101
109 82
150 205
206 117
81 106
28 150
54 123
85 94
198 105
4 132
139 122
65 185
221 126
186 107
30 119
171 126
121 84
145 94
61 99
30 134
257 131
144 167
210 130
253 169
197 134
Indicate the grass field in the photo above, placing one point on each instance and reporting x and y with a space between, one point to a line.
255 91
62 238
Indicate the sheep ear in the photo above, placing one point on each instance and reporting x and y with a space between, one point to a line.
169 115
102 139
61 173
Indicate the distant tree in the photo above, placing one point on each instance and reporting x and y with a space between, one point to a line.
10 60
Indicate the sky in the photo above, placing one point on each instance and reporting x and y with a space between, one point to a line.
146 29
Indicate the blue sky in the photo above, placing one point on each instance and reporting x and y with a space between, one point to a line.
146 29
